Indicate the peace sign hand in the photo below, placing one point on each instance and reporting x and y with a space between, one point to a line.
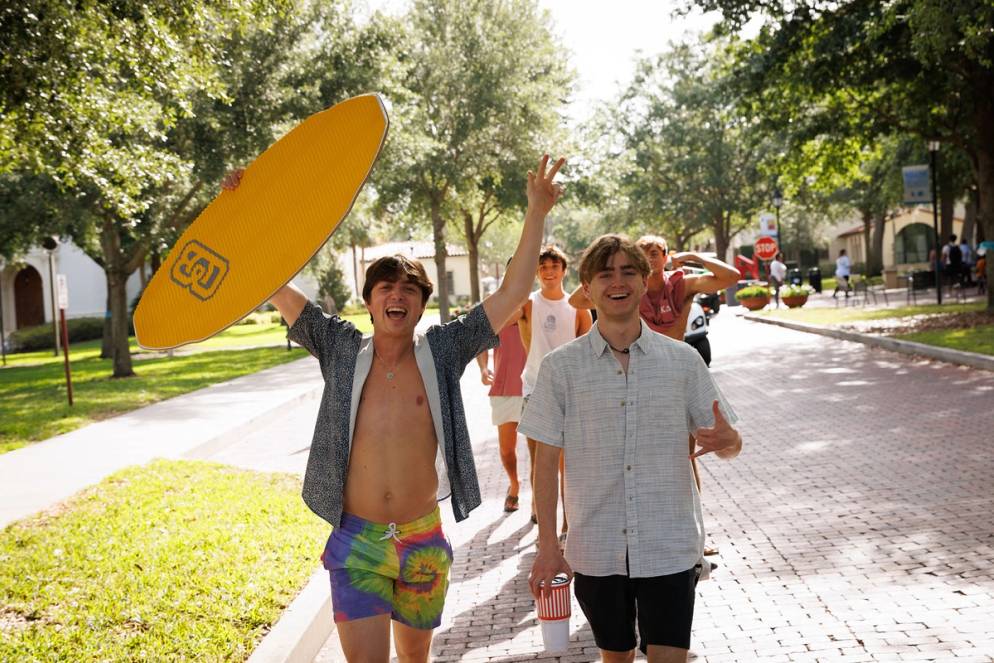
720 438
542 191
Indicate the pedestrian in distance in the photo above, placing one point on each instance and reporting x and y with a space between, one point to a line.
843 269
620 403
778 274
391 438
952 262
548 320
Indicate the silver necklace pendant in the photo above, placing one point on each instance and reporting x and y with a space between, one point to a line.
389 375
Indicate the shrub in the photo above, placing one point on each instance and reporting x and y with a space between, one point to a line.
796 291
753 291
40 337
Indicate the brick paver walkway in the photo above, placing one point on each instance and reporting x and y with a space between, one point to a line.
857 524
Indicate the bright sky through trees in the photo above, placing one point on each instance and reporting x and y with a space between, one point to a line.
604 39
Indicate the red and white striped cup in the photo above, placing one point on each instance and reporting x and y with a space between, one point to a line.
554 610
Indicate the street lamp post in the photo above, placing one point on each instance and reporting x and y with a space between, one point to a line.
777 204
50 244
933 150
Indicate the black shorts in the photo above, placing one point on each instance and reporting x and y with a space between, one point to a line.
663 606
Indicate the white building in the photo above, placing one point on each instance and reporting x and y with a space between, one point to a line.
26 289
456 265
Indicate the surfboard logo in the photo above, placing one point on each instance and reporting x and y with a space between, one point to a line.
199 269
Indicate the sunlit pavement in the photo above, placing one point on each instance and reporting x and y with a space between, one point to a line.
857 524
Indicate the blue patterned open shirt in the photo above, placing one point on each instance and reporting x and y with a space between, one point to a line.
345 357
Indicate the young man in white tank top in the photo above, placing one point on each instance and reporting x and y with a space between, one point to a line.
548 321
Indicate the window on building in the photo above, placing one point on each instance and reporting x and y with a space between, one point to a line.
913 244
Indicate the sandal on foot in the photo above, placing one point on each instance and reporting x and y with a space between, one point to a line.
708 551
510 504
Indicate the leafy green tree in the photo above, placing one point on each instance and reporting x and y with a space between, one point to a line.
482 86
864 69
332 285
695 158
160 99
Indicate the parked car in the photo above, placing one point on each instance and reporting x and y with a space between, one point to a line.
697 331
710 302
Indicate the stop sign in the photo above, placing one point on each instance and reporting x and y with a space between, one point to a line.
765 248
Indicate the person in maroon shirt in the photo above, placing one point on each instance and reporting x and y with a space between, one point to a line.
506 401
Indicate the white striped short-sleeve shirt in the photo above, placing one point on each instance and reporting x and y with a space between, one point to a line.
629 484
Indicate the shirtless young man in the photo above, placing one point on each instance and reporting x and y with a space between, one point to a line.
391 439
548 320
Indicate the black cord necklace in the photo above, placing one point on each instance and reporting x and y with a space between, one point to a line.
626 350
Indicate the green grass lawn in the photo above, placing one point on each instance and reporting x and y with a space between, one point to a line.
175 560
33 398
238 336
844 314
978 339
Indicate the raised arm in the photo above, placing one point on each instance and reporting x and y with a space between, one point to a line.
722 274
543 193
578 299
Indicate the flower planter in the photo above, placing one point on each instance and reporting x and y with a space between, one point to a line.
754 303
795 301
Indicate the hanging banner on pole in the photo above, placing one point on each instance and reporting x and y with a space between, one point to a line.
767 225
917 185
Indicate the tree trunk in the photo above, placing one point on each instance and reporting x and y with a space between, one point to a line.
120 352
438 230
355 273
984 120
721 239
473 246
114 262
970 218
876 266
107 342
867 245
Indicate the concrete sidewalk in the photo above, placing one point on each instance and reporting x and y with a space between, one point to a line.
194 425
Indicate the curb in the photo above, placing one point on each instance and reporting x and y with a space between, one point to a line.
972 359
303 627
220 442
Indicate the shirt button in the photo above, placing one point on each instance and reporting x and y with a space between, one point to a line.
622 403
624 531
629 468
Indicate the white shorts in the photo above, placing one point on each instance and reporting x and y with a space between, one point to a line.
505 409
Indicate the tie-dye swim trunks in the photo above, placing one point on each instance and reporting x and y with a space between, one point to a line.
400 570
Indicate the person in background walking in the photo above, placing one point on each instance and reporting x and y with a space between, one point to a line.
548 321
967 253
778 274
843 268
506 401
952 262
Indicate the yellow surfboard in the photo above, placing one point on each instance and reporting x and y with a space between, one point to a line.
250 242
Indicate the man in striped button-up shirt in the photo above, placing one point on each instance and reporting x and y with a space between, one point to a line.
621 402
